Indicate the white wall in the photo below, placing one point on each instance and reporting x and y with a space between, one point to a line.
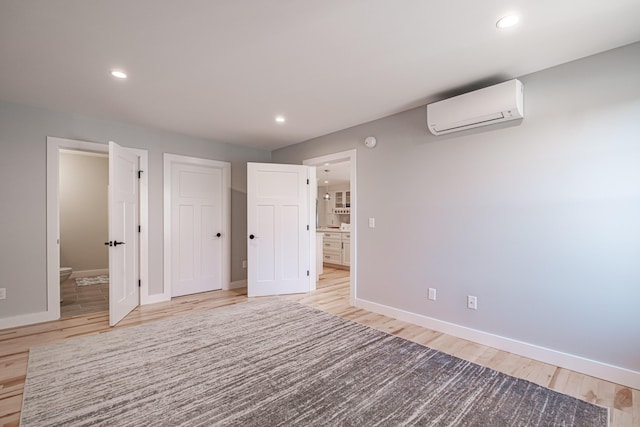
23 133
83 211
540 220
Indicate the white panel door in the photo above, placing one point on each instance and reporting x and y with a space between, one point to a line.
196 228
124 293
278 200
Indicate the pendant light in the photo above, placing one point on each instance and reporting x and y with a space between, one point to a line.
327 196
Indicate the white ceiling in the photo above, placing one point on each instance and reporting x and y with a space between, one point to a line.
338 173
223 70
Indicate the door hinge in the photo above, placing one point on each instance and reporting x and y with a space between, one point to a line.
139 229
307 181
307 228
139 283
140 174
307 272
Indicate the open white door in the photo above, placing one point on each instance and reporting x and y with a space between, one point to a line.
123 232
279 229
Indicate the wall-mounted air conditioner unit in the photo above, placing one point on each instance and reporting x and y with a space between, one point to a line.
493 104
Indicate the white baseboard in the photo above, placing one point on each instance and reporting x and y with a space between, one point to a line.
89 273
152 299
237 284
26 319
580 364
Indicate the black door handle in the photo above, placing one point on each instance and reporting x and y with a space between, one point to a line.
218 235
251 236
108 243
116 243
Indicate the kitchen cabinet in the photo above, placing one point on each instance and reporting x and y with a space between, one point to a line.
319 246
346 249
335 245
332 247
338 199
342 202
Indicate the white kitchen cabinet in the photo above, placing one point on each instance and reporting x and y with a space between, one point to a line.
336 248
338 199
332 247
319 254
342 199
333 235
346 249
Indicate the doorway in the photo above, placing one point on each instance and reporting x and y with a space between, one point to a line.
54 148
84 260
325 162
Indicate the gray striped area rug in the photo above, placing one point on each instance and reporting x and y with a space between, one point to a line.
273 362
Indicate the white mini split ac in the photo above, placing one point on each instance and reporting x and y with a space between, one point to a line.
493 104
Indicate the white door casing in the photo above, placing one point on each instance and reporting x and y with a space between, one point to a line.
280 229
124 293
349 156
52 309
196 229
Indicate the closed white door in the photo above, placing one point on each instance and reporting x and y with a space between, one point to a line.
197 232
124 294
279 229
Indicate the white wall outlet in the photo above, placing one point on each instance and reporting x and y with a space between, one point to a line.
372 223
244 263
472 302
432 294
3 293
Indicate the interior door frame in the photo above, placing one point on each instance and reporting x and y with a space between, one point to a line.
349 156
54 145
169 161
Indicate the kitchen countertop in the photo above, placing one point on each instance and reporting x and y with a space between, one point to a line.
331 230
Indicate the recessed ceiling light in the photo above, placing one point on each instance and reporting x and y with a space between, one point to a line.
507 21
326 182
119 74
280 119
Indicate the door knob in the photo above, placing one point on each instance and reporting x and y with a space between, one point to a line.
218 235
116 243
251 236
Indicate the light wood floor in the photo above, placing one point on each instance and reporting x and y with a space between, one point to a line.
332 296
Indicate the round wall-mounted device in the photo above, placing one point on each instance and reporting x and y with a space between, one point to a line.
370 141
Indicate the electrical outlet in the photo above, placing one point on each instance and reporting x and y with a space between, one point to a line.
3 293
432 294
472 302
372 223
244 264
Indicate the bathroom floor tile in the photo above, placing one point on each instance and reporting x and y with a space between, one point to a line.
78 300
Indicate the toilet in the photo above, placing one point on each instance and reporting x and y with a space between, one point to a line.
65 273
